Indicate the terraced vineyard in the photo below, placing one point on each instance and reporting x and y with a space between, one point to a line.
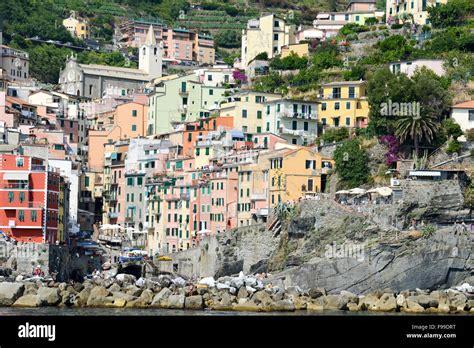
214 20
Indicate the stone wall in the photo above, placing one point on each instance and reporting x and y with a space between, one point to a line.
225 254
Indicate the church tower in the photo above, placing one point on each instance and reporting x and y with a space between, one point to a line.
151 56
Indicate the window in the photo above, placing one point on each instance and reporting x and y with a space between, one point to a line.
134 113
348 105
33 215
259 115
134 127
259 130
294 125
130 181
357 18
209 77
323 106
278 107
471 115
276 24
336 92
22 197
11 197
305 126
244 113
207 151
346 17
198 151
268 127
19 162
211 92
139 181
21 215
348 121
275 36
336 106
351 92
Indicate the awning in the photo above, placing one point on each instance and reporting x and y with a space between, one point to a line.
237 133
357 191
15 176
424 173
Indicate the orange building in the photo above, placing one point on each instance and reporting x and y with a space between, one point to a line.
29 199
202 127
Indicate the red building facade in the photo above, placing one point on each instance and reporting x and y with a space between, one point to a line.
29 199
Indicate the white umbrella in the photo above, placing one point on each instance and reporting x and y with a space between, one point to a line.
342 192
357 191
106 227
204 231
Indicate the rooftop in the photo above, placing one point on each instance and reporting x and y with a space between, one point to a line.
465 105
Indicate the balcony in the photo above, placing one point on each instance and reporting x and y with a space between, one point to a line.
258 197
173 197
19 205
28 114
129 219
112 215
16 186
295 132
298 115
260 212
37 168
183 92
185 196
339 96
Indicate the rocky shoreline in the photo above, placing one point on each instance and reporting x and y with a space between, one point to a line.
240 293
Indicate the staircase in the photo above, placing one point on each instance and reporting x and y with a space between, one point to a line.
275 227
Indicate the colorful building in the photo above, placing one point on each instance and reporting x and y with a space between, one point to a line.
295 173
413 10
343 104
265 35
29 199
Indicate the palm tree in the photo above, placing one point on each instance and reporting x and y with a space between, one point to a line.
417 128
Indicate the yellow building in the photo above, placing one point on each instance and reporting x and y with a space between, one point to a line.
294 173
77 27
343 104
248 109
410 10
267 34
300 50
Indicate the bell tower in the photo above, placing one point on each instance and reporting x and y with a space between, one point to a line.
151 56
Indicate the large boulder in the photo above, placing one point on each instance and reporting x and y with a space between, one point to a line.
316 292
133 290
386 303
114 288
263 297
194 302
82 297
147 296
175 302
48 296
368 302
99 297
243 293
125 279
160 298
412 306
282 305
246 306
118 295
425 301
10 292
334 302
27 301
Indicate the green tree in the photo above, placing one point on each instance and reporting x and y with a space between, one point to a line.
46 61
451 14
228 39
416 128
351 163
291 62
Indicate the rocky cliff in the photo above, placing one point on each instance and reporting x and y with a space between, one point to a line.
360 249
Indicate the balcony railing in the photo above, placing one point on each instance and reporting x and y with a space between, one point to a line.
18 186
172 197
183 92
18 205
296 132
339 96
260 211
299 115
258 197
37 168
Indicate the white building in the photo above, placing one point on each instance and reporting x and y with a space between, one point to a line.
408 67
215 76
463 114
294 120
66 170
